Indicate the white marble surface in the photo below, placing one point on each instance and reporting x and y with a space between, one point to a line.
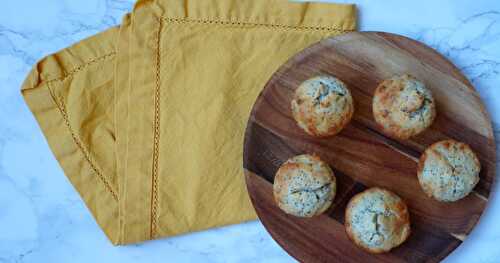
41 216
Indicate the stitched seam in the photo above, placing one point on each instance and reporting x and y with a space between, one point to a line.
81 67
156 138
62 109
243 23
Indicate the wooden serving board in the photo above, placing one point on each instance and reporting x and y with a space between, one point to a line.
361 156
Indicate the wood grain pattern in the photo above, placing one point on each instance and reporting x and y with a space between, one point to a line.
361 156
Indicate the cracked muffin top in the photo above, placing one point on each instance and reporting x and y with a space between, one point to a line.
403 106
377 220
448 170
304 186
322 106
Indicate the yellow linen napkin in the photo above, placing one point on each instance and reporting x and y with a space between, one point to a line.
71 95
147 120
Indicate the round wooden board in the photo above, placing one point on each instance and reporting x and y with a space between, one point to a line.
361 156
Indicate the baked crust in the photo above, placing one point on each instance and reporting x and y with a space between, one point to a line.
448 170
403 106
322 106
304 186
377 220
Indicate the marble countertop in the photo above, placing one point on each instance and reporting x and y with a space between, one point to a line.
42 218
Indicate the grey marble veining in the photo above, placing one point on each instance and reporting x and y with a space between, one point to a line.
42 218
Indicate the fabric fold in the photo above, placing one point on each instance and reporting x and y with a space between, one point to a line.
71 95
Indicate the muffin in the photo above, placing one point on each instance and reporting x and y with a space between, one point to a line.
377 220
448 170
322 106
304 186
403 106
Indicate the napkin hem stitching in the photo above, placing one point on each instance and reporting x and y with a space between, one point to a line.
156 138
81 67
62 109
244 23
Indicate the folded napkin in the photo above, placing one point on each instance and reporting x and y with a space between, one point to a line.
147 119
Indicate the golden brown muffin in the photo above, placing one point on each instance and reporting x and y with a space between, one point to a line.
403 106
377 220
322 106
304 186
448 170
